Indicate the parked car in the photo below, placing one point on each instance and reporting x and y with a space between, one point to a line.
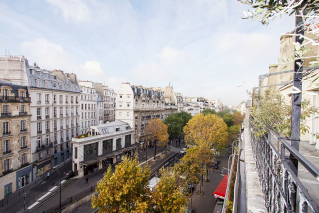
182 151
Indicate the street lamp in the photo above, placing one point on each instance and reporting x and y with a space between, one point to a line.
60 186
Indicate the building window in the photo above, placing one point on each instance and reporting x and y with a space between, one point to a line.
23 159
128 114
54 98
47 140
47 112
23 141
39 142
6 165
46 98
128 96
5 109
120 96
47 126
6 128
120 113
22 108
5 94
38 113
60 98
6 146
22 125
38 83
75 152
66 111
39 127
39 98
128 105
61 112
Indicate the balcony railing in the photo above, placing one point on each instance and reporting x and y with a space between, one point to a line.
6 114
54 115
38 102
277 174
61 115
6 133
47 116
47 130
54 101
23 130
67 126
55 128
23 113
55 142
7 171
67 138
24 147
61 102
47 102
7 152
14 99
61 127
61 140
39 132
39 117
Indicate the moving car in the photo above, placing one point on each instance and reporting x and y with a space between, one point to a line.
182 151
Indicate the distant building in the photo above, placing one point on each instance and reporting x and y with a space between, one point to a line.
138 105
106 144
108 97
88 106
15 157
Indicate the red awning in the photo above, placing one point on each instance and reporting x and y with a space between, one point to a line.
220 192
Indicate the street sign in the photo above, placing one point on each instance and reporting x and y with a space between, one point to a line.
24 194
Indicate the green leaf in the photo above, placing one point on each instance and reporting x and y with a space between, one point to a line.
259 10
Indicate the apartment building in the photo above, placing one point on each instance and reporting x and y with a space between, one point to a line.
15 154
54 109
88 106
100 109
108 97
137 106
106 145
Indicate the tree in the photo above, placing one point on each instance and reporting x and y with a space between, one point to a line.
222 113
206 130
228 118
125 190
209 111
233 133
166 196
185 116
157 132
238 118
274 112
175 125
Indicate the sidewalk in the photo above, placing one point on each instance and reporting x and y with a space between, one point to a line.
206 202
36 191
79 185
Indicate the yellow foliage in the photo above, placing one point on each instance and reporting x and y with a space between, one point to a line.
206 131
125 190
157 131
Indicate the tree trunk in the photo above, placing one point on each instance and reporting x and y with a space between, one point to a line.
155 149
146 151
176 143
206 172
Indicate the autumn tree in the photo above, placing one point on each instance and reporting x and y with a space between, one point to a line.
166 196
125 190
209 130
238 118
157 132
233 133
206 132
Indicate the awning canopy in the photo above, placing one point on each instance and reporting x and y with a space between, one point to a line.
220 192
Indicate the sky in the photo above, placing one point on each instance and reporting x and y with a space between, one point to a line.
203 48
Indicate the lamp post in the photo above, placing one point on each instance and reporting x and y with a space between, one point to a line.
60 187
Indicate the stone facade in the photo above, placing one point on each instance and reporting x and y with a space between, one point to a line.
108 96
137 106
88 106
106 145
15 157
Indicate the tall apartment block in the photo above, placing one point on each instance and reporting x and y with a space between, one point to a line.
15 154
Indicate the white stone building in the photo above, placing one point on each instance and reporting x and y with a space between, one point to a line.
107 95
88 106
106 145
137 105
54 109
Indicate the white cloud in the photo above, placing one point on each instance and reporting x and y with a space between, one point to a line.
77 10
245 49
47 55
150 72
93 69
170 55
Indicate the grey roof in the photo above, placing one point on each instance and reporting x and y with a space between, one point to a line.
112 126
138 91
14 87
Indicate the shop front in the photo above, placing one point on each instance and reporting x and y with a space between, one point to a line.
24 176
43 167
91 168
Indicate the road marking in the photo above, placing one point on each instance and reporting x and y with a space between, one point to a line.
44 196
30 207
53 189
63 181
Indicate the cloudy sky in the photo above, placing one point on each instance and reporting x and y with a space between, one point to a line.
202 47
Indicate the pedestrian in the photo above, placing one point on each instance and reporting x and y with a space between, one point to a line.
86 180
48 176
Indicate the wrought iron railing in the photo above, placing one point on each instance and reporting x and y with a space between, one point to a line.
277 174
